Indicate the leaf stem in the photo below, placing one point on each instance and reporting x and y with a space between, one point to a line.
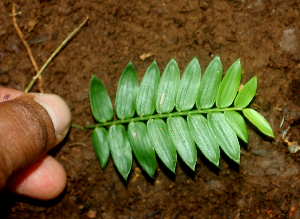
160 116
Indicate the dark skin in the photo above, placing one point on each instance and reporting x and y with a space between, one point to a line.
31 125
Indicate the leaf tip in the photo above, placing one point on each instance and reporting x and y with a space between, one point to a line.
173 60
271 134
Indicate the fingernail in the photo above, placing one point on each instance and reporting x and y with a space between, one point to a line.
58 111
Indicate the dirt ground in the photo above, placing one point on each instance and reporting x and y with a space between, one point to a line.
264 34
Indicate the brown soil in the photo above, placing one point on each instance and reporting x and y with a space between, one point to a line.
265 35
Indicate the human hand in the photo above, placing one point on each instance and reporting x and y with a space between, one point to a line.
31 125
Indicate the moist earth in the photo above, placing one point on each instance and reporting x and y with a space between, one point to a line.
264 34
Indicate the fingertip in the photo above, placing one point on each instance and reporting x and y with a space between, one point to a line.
44 180
58 111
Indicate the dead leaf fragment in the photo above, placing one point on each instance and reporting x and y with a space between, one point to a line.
31 25
144 56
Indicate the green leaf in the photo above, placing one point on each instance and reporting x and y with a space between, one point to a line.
182 139
204 138
189 85
209 84
237 123
120 149
142 146
126 93
100 101
259 121
229 85
101 147
145 103
246 94
167 88
163 145
225 136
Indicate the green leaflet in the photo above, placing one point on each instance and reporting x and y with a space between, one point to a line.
209 85
225 136
167 88
246 94
142 146
145 103
182 139
120 149
259 121
229 85
100 101
101 147
237 123
163 145
189 85
204 138
126 93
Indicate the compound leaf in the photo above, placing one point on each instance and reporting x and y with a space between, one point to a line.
225 136
101 105
163 145
182 139
167 88
220 129
204 138
126 93
259 121
189 85
142 146
101 147
237 123
246 94
120 149
229 85
209 84
145 103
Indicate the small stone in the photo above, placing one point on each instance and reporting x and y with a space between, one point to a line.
91 213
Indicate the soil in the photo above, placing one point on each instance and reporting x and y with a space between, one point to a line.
264 34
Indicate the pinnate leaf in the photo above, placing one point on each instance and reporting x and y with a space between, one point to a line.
259 121
225 136
120 149
189 85
163 145
142 146
204 138
209 84
145 103
100 101
167 88
246 94
126 93
229 85
182 139
219 130
101 147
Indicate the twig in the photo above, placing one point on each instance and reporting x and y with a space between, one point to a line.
14 14
54 54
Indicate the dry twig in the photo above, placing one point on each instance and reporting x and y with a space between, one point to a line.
14 14
39 72
59 48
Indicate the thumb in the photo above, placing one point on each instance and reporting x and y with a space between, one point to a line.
30 126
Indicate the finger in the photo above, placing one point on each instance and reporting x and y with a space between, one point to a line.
30 125
8 94
44 180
